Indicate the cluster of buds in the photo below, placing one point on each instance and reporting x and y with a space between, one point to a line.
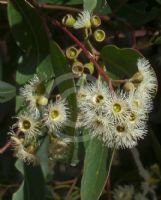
118 118
77 67
86 21
89 24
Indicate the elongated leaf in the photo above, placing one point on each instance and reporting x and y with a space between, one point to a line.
121 62
28 30
19 194
7 91
64 82
89 5
34 186
103 7
97 166
137 13
42 154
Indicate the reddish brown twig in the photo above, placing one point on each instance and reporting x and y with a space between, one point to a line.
5 147
120 81
86 52
109 189
71 189
59 7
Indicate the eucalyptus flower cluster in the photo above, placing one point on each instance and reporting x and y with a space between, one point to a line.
39 116
87 21
119 117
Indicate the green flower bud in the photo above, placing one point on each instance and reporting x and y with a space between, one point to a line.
99 35
68 20
95 21
77 68
71 53
90 67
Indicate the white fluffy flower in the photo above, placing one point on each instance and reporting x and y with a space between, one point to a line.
32 93
26 154
28 125
117 106
123 192
139 102
126 136
149 83
56 115
92 105
94 94
83 20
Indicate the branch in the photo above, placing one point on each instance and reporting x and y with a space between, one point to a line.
86 52
3 2
5 147
71 189
59 7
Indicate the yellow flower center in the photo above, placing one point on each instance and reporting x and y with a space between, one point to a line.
72 53
117 107
120 128
98 123
132 117
136 103
26 124
99 98
54 114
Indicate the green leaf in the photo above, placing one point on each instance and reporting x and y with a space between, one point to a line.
103 7
89 5
33 185
137 13
157 40
97 166
120 62
19 194
70 2
116 5
158 1
7 91
42 154
65 83
28 30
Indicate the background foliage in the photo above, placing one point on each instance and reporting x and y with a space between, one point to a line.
30 43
